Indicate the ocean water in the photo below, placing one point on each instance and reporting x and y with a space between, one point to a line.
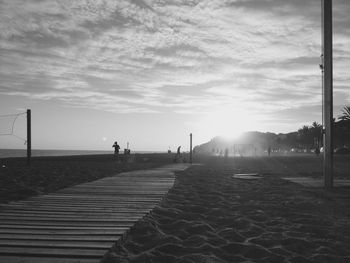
4 153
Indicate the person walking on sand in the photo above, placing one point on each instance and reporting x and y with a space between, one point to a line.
178 150
116 148
317 151
178 154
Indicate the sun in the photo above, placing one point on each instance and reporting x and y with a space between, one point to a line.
229 124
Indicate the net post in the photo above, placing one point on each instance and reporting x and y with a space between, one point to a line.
191 148
29 137
327 43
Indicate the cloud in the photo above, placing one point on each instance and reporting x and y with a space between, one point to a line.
160 56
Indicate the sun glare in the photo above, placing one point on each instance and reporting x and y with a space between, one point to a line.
228 124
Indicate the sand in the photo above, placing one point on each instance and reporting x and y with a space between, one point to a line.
48 174
210 217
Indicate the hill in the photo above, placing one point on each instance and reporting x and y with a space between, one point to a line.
250 143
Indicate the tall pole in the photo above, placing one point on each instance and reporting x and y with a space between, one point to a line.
327 92
29 137
191 148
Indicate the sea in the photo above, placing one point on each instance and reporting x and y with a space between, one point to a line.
5 153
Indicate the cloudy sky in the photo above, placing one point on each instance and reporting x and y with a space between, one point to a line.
150 72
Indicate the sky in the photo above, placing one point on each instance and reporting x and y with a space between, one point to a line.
150 72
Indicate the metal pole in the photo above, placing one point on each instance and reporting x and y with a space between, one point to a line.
29 137
191 148
328 93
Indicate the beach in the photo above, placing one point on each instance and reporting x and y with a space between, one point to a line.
208 216
51 173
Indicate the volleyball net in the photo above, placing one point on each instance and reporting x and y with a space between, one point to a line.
8 125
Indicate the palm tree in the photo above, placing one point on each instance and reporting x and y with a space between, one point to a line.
305 136
346 113
316 130
342 127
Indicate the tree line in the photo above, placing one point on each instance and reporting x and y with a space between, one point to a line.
308 138
311 136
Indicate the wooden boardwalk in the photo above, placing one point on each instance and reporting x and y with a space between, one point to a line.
80 223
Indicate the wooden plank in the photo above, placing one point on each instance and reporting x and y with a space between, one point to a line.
109 200
82 238
129 180
129 183
95 207
114 192
78 197
49 209
16 259
62 219
74 213
28 214
116 205
156 196
74 200
63 205
114 189
142 184
63 227
68 223
113 195
63 231
72 252
56 243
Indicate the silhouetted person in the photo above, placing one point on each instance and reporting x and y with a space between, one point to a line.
126 156
269 151
178 154
317 151
116 148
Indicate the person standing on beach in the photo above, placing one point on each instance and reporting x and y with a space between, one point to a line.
178 154
317 151
116 148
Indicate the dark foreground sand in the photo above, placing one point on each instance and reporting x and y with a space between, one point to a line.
210 217
48 174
